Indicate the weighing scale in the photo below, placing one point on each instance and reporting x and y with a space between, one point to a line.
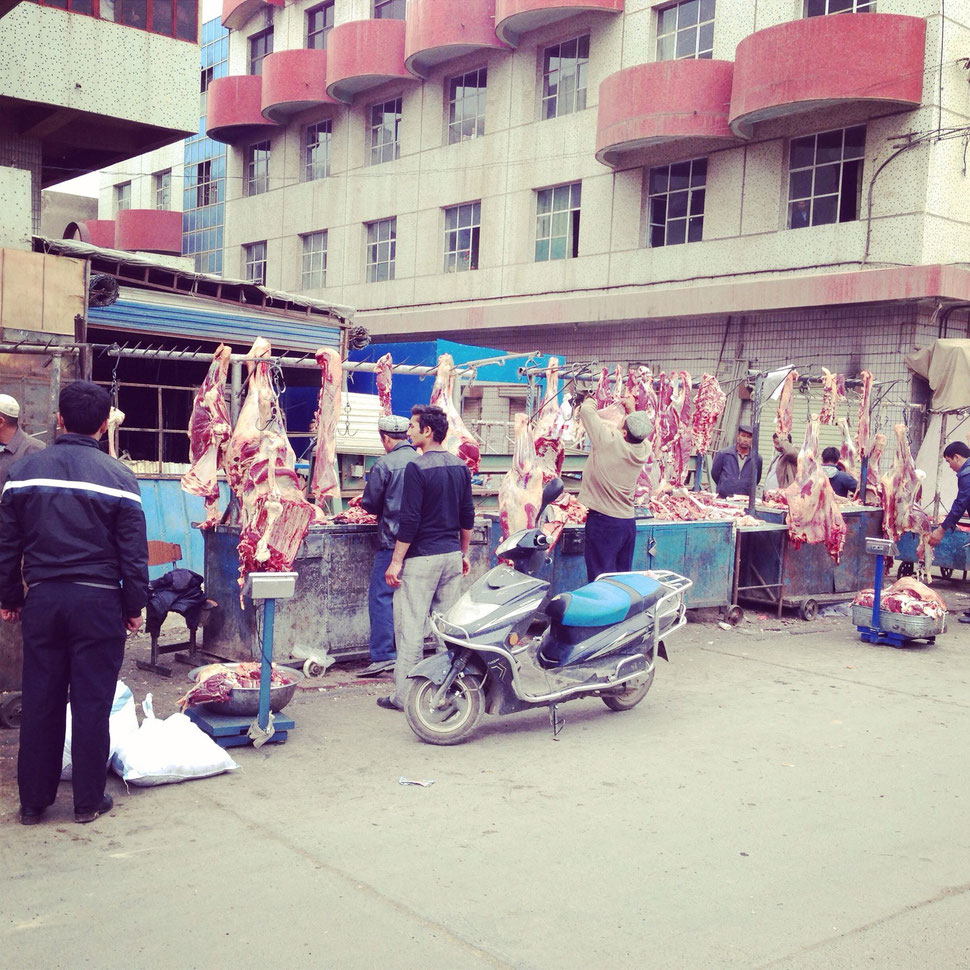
874 632
232 730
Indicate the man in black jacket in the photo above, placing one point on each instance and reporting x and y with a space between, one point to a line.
733 467
73 529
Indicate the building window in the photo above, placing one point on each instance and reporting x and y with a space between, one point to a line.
314 260
466 106
123 196
260 45
463 225
389 9
385 125
564 69
173 18
557 222
381 249
676 194
819 8
162 183
825 177
319 22
206 188
257 168
255 257
685 30
316 150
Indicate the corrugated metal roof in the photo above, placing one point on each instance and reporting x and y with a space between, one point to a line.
182 316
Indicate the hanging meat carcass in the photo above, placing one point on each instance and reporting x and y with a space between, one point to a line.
680 413
709 405
116 419
813 513
847 452
259 465
863 428
520 494
783 419
833 387
901 490
872 475
325 484
459 440
210 428
549 447
384 365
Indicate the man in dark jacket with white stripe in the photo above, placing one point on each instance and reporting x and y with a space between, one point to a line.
74 531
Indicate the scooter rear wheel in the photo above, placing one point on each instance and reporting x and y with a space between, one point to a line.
451 723
630 694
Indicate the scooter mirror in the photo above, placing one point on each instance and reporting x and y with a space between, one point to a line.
550 492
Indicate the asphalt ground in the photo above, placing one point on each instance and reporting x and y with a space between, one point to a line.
785 797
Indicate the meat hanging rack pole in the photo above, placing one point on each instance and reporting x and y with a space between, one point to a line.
759 387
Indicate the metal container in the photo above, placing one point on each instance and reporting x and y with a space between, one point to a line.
245 700
914 627
950 554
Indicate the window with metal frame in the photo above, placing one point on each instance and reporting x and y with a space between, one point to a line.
206 188
676 199
314 260
825 177
172 18
390 9
819 8
257 168
557 222
466 106
319 23
162 184
463 226
385 131
316 150
122 196
260 45
685 30
564 77
254 258
381 249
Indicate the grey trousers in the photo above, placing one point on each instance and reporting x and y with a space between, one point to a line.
427 583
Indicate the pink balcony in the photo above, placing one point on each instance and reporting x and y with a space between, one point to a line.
94 232
440 30
513 18
234 112
149 230
677 107
363 54
294 81
235 13
861 63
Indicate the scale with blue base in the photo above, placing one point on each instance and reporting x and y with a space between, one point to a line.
233 730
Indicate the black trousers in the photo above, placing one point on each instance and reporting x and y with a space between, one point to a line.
609 544
74 636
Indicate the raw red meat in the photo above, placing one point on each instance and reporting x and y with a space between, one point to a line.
830 395
384 383
708 408
872 475
549 447
210 428
901 490
908 596
355 514
783 420
459 440
680 413
863 428
520 493
847 453
325 484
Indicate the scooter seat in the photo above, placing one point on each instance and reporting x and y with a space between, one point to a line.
605 601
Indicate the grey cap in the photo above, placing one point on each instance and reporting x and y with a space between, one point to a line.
392 424
9 406
745 429
638 425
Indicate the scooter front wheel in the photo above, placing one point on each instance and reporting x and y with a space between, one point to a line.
455 719
629 694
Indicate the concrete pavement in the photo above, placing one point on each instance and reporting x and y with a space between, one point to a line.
787 798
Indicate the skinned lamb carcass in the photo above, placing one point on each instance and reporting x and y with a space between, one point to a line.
549 447
608 394
709 405
680 413
783 419
210 428
116 419
384 377
520 494
813 513
901 489
847 452
863 444
459 440
872 496
259 464
325 485
833 388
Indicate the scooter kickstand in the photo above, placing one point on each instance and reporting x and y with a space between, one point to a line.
555 721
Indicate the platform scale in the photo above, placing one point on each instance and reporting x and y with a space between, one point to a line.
234 730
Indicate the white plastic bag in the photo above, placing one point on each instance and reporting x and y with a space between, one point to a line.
162 752
122 722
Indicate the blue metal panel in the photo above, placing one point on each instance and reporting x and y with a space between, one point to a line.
169 514
231 328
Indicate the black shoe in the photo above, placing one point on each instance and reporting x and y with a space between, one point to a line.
107 803
377 668
31 816
387 704
964 619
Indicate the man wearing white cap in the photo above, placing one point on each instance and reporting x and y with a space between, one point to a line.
382 497
14 444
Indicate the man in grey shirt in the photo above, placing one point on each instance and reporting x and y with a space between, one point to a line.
14 444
